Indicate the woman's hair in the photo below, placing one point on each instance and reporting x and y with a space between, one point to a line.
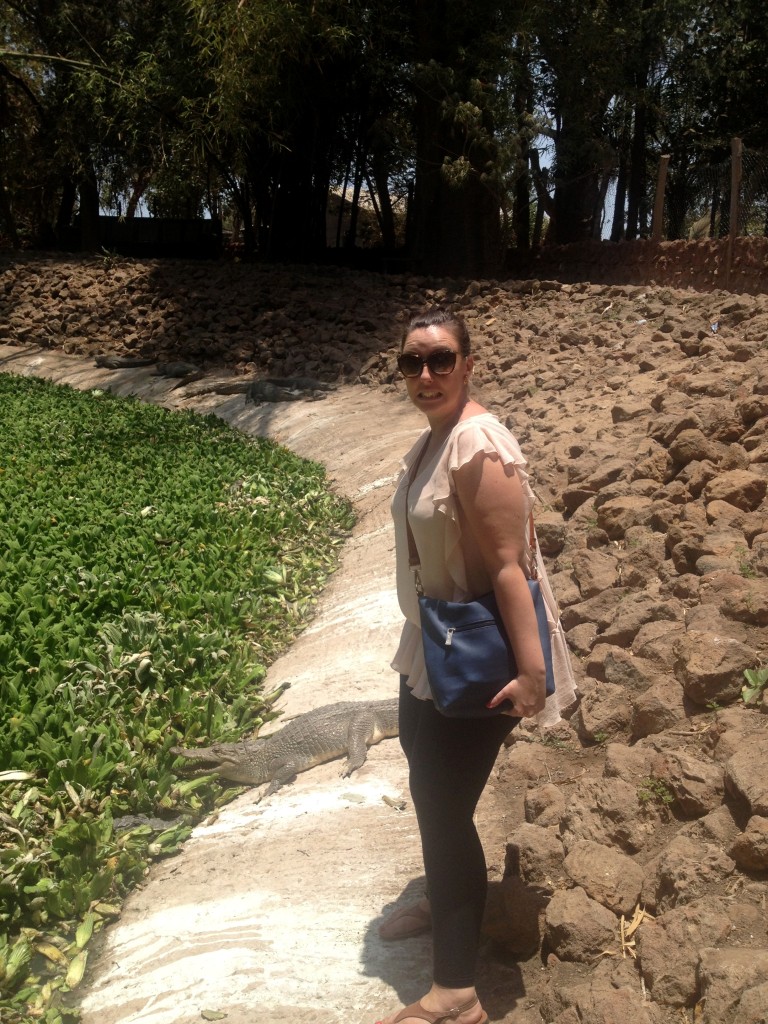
437 317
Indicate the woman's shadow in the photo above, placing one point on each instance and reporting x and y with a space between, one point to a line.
405 965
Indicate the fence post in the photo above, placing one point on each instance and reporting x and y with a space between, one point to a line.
658 203
733 222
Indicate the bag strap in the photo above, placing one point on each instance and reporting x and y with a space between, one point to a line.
533 544
414 562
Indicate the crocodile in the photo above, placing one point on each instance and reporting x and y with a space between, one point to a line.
128 822
110 362
310 739
286 389
179 370
268 389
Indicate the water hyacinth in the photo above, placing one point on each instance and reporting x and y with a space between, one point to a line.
152 564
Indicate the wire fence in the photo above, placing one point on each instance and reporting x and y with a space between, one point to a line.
753 199
697 200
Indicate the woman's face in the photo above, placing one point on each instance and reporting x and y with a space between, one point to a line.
439 396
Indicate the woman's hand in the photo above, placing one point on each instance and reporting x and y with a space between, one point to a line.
527 695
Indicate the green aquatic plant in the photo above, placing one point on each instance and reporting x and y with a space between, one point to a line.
152 565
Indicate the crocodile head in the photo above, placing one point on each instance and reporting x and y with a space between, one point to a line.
233 761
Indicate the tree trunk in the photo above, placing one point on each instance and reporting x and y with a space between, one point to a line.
617 227
139 188
299 180
546 204
598 214
456 225
342 204
637 207
66 211
7 218
521 215
244 206
576 184
351 236
242 198
386 212
677 197
90 240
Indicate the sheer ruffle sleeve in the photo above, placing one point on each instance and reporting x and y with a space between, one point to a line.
478 434
470 437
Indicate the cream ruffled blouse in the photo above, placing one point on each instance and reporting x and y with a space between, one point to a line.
451 565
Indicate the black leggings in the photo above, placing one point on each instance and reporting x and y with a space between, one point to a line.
450 760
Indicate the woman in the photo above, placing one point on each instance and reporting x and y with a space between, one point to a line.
468 503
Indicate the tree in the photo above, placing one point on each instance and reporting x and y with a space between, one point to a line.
104 89
66 131
581 50
460 58
288 89
712 90
20 117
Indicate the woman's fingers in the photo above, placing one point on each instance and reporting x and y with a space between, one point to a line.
500 697
526 696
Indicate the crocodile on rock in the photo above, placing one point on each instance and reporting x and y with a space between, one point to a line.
308 740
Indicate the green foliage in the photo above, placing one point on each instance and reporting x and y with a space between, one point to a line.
756 682
151 565
554 742
746 568
656 791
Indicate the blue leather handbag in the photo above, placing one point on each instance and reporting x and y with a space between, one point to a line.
468 655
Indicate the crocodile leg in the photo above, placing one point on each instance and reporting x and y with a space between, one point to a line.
359 734
281 774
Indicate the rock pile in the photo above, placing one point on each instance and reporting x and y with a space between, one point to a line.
639 864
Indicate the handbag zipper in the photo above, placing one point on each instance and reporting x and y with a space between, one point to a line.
464 629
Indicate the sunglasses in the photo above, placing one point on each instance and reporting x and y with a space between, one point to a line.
442 362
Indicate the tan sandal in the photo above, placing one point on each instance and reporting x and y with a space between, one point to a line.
417 1011
405 923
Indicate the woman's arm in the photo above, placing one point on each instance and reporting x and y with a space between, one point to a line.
493 506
